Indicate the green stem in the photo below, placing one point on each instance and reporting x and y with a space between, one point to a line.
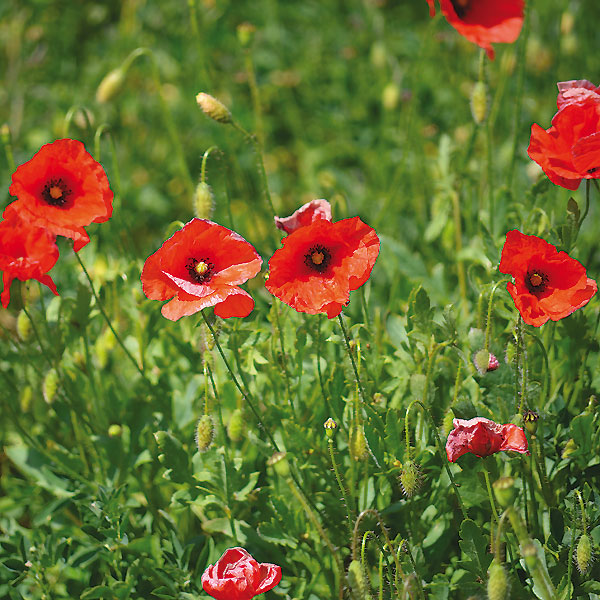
488 326
587 204
8 151
351 355
348 498
490 494
546 388
256 105
69 118
204 161
406 548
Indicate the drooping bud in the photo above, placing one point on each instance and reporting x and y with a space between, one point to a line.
214 109
205 433
50 386
358 442
530 418
23 326
245 34
410 478
203 201
497 585
504 489
357 581
236 426
479 102
111 85
280 464
330 427
584 556
485 361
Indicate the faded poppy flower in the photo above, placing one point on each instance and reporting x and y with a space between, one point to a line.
483 437
201 265
305 215
26 252
321 263
548 284
62 189
237 576
483 22
569 150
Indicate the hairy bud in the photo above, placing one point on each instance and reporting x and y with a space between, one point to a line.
357 581
479 102
358 442
212 108
205 433
23 326
584 556
203 201
111 85
236 426
410 478
50 386
497 585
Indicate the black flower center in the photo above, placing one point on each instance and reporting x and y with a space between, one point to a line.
536 282
318 258
200 270
56 192
461 7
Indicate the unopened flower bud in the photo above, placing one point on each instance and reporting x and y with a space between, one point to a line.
497 585
410 478
245 34
390 96
479 102
203 201
584 556
330 427
358 443
529 553
236 426
530 419
485 361
50 385
205 433
115 430
504 489
23 326
25 397
111 85
280 464
357 581
212 108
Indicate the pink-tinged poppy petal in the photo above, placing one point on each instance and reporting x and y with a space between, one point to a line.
576 90
270 576
513 439
305 215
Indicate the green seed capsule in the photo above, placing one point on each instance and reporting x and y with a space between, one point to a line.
497 586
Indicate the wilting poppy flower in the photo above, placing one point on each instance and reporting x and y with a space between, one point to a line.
201 265
569 150
548 284
62 188
483 437
237 576
26 252
483 22
305 215
321 263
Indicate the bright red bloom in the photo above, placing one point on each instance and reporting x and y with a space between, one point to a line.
483 437
483 22
202 265
25 253
569 151
237 576
548 284
305 215
321 263
62 188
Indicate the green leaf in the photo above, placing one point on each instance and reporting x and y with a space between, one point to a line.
173 457
474 543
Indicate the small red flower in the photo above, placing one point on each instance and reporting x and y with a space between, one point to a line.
321 263
483 22
483 437
548 284
305 215
25 253
202 265
62 188
569 150
237 576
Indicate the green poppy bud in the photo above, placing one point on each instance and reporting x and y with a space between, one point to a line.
497 585
214 109
584 556
50 386
410 478
205 433
236 426
479 102
23 326
357 581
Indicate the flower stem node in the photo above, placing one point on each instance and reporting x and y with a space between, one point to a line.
357 581
280 464
530 418
205 433
330 426
213 108
504 490
236 426
584 556
497 586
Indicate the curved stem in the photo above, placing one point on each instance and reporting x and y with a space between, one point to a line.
354 367
204 160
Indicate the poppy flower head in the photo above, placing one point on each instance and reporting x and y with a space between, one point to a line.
305 215
62 189
321 263
483 22
569 150
26 252
238 576
482 437
199 266
547 284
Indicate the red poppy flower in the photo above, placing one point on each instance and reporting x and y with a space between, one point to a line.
25 253
483 22
201 265
320 263
305 215
237 576
483 437
62 188
569 150
548 284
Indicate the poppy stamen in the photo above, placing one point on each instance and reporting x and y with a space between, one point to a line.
317 258
56 192
536 282
199 270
